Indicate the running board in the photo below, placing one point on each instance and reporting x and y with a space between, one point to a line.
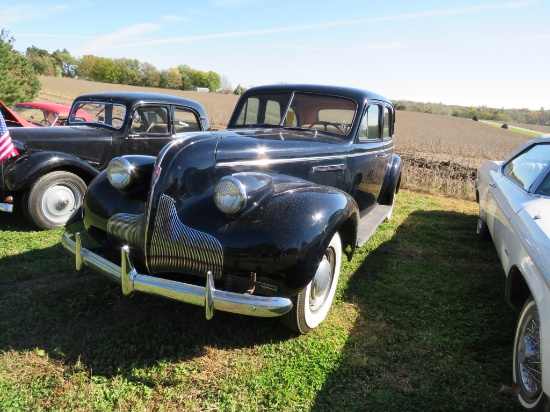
370 222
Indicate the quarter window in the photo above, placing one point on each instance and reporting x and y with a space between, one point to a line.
388 121
185 121
370 125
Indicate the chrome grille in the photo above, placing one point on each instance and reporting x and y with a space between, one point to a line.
178 248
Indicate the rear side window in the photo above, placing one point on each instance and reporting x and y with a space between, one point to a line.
370 124
388 122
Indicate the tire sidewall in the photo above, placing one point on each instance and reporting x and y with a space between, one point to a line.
307 319
32 207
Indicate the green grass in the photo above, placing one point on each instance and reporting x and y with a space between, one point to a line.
419 323
521 130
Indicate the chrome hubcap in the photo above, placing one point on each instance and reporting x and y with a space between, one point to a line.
320 286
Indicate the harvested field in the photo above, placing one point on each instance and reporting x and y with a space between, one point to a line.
440 153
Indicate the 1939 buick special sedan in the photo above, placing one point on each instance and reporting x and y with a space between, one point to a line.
255 219
48 179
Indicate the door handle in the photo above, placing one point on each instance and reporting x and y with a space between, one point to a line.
493 184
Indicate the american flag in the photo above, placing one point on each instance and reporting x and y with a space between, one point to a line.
6 146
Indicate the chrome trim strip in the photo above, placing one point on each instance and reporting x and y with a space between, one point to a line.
269 162
207 296
6 207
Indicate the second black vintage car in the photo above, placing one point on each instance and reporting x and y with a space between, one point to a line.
255 219
48 179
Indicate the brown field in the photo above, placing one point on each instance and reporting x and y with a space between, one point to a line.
440 153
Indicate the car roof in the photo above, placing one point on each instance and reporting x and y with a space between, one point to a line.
353 93
131 98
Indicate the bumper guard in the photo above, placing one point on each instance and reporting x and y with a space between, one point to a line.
131 281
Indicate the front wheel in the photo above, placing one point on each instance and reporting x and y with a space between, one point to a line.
54 200
527 367
312 304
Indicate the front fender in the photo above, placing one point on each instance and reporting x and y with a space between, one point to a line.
283 239
28 168
102 200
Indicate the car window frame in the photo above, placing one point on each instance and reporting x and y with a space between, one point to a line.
539 179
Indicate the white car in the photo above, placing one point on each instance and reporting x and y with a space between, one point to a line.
514 209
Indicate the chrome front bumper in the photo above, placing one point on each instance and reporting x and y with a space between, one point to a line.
131 281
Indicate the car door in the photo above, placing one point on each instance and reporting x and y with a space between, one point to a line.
371 152
512 193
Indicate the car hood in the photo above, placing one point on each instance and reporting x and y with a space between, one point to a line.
265 145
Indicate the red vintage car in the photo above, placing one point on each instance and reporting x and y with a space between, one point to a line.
39 114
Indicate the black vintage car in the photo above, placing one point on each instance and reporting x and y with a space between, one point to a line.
255 219
47 181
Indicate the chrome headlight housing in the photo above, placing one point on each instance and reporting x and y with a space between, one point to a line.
230 195
120 173
240 192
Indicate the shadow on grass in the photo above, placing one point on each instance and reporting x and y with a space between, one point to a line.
433 331
81 317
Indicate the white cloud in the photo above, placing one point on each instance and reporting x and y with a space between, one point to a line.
114 40
172 18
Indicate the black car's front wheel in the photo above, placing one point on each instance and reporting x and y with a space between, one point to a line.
54 200
312 304
527 366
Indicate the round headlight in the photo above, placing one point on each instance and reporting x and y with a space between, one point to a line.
119 173
230 195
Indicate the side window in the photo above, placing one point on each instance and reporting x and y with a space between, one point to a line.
370 124
525 168
388 122
150 120
185 121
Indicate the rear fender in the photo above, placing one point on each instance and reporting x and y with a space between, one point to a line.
392 181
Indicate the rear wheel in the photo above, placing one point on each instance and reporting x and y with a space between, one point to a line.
482 230
54 200
312 304
527 367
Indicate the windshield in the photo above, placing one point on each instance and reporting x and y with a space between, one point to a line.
106 113
330 114
38 116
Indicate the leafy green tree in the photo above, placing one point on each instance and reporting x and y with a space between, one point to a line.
214 81
170 79
186 72
65 62
149 75
42 61
239 90
18 80
128 71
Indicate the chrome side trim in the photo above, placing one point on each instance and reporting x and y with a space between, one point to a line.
6 207
207 296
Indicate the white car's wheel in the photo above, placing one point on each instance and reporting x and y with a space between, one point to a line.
312 304
527 366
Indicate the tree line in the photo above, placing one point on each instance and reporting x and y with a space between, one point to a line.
19 81
526 116
19 72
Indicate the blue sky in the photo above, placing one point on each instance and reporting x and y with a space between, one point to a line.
493 53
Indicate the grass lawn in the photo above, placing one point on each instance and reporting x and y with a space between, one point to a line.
419 323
